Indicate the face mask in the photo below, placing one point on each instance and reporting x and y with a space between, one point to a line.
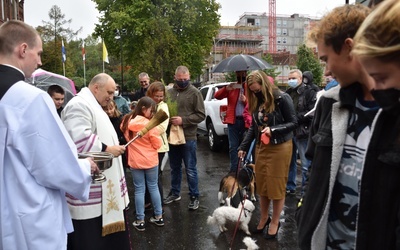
387 98
240 79
259 96
305 80
292 83
182 84
116 93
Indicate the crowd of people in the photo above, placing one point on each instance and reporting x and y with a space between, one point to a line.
347 138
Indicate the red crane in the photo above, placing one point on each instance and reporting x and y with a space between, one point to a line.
272 26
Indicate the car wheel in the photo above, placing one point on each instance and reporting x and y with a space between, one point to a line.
214 141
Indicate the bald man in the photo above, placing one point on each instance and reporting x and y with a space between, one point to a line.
92 130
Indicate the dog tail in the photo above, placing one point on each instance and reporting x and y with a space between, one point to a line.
250 243
221 184
211 220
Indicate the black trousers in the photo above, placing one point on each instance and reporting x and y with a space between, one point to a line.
87 236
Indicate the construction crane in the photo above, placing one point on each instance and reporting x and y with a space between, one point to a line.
272 26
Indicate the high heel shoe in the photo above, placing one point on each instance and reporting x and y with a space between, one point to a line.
272 236
258 231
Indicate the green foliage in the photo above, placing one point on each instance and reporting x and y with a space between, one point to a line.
307 60
172 106
161 35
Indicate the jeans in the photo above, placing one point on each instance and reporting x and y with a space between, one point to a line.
235 137
187 153
301 145
147 198
291 183
141 179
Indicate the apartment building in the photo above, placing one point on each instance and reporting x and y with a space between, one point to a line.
11 10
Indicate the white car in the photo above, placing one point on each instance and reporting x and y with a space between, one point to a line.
213 125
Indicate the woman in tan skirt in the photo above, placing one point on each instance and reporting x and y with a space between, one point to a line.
274 119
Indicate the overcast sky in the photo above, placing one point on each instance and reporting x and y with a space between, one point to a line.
84 13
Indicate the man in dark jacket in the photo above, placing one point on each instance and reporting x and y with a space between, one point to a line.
308 79
144 81
304 98
339 137
191 112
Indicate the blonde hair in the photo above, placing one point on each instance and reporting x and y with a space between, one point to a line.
267 89
338 25
112 104
379 35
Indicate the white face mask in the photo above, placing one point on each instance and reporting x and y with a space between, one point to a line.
116 93
292 83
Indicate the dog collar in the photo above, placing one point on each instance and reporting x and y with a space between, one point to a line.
246 210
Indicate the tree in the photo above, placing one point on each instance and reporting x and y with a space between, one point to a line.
307 60
52 32
160 35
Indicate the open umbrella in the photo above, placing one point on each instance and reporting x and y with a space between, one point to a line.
240 63
44 79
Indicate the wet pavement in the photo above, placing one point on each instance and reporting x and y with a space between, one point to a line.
186 229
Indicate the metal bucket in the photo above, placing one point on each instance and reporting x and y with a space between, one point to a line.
103 161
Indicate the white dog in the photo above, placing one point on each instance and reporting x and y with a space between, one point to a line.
223 214
250 243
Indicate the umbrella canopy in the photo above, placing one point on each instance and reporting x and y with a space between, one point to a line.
240 63
44 79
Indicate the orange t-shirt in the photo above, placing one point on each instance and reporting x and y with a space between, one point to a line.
142 153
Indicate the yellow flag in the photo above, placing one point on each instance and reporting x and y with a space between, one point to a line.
105 53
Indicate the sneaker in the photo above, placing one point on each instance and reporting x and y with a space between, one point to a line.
158 222
194 203
139 225
290 192
171 198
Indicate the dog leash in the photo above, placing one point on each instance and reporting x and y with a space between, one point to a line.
236 178
238 221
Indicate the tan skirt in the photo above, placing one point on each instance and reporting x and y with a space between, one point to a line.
272 169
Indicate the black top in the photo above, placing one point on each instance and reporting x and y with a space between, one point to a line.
8 76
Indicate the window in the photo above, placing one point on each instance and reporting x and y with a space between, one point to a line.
284 32
250 22
278 40
278 22
284 23
284 40
278 32
204 93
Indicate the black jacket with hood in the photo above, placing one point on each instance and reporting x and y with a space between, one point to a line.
308 79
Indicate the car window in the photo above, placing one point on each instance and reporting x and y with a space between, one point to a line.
203 92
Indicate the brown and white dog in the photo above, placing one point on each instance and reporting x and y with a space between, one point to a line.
230 184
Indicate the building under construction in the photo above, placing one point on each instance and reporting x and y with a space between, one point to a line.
252 35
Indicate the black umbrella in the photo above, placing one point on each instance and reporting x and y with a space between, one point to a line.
240 63
44 79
